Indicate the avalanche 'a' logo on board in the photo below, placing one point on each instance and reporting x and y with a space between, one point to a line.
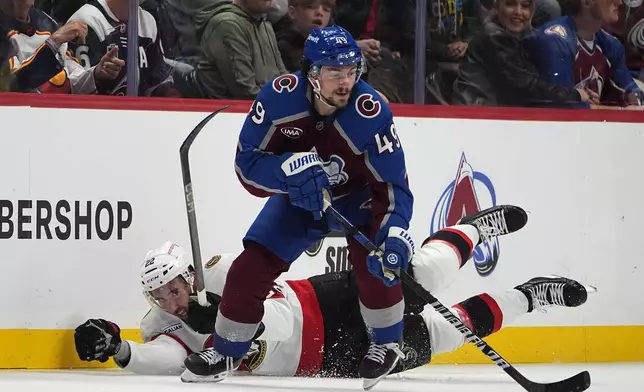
466 195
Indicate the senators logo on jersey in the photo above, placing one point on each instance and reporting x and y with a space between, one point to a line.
256 355
213 261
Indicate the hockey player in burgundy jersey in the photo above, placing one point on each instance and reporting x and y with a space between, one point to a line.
313 327
319 130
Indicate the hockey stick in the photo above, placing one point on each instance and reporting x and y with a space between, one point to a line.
190 206
577 383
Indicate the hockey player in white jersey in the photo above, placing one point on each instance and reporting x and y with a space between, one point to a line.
313 327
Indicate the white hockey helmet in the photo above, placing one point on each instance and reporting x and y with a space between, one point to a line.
163 264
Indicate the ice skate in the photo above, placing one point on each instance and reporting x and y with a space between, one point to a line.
496 221
379 361
208 366
543 292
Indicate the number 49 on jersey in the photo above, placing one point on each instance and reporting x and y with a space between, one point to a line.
383 142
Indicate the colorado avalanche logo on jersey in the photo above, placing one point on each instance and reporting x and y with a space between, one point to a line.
462 197
557 30
334 169
368 107
285 83
594 81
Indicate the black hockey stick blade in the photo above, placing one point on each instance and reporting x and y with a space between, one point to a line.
190 205
577 383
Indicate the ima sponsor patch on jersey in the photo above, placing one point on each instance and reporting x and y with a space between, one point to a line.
213 261
292 132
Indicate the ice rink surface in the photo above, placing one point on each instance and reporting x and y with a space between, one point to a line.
463 378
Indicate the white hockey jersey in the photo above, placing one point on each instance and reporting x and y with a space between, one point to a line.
291 344
50 69
104 30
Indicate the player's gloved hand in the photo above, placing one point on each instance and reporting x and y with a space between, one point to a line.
304 179
398 250
202 318
97 340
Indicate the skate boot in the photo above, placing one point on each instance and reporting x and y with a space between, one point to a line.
208 366
379 361
496 221
543 292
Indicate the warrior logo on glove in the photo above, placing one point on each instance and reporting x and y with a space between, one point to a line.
300 162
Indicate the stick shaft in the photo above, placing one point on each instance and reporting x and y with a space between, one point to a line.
579 382
190 207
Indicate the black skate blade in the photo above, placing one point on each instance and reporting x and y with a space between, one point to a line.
577 383
368 383
189 377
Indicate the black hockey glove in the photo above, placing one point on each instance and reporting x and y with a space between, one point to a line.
97 340
202 318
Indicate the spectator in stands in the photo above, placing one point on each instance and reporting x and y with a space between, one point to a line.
497 72
40 61
239 52
108 32
385 33
545 11
452 24
177 26
574 51
293 28
370 21
629 29
59 10
177 21
277 10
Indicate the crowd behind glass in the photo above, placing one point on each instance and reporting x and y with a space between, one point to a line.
526 53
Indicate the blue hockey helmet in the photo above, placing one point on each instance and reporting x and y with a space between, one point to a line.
331 46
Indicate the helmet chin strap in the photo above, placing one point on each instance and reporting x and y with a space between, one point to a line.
317 90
